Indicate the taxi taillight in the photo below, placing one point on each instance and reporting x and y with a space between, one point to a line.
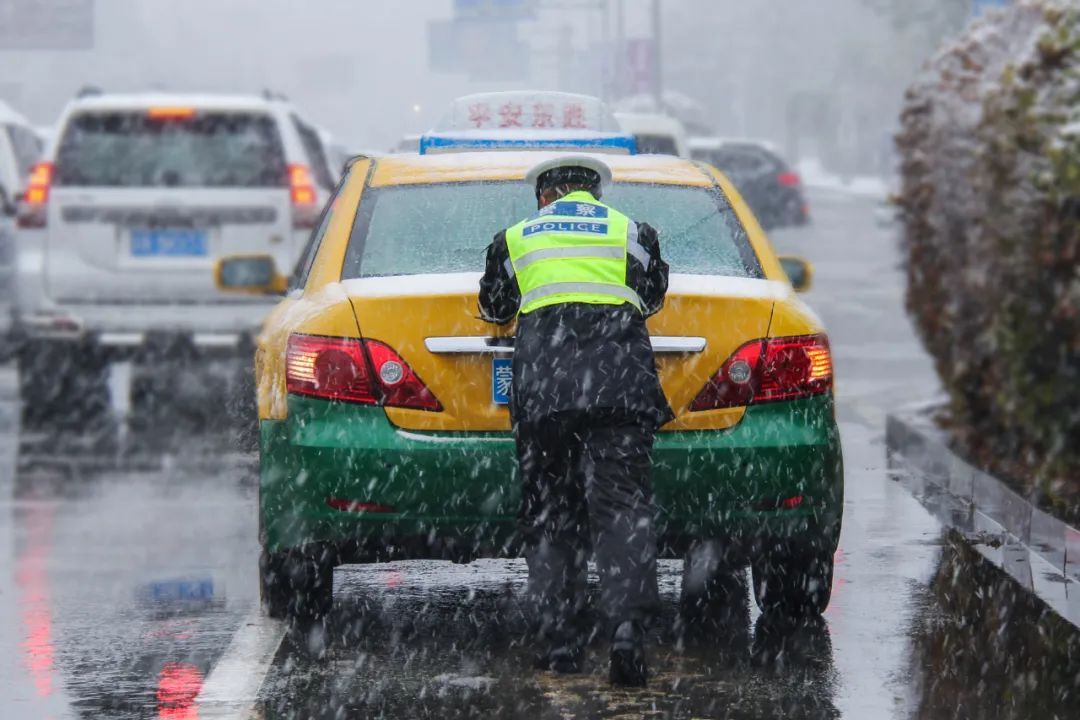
367 372
770 370
302 196
33 211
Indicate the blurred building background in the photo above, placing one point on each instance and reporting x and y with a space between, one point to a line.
823 79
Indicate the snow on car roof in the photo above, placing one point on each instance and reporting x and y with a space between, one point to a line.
140 101
511 165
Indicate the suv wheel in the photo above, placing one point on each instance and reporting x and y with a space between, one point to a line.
794 582
64 384
297 584
243 409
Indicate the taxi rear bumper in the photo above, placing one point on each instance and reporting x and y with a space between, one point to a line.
343 475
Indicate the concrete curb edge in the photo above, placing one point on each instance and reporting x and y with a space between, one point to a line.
1041 552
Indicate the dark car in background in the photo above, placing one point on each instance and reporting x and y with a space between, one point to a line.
7 253
772 189
20 148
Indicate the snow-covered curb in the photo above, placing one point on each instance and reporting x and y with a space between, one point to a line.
1039 551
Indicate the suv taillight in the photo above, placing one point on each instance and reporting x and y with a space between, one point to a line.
769 370
33 210
367 372
302 196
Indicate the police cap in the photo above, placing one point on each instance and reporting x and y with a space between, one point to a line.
569 170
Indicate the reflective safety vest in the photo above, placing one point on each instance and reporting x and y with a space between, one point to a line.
574 251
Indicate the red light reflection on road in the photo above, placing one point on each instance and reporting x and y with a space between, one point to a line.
32 580
178 686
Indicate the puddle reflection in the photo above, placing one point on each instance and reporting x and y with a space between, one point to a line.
178 686
983 647
117 605
33 589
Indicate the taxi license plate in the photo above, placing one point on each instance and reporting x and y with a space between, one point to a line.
180 242
501 376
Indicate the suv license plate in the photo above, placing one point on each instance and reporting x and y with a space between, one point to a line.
169 243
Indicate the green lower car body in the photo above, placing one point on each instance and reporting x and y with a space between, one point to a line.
340 483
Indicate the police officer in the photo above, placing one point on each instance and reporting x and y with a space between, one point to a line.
581 278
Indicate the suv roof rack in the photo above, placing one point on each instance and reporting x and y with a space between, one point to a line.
89 91
269 94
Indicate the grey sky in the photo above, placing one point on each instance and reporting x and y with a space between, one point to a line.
360 67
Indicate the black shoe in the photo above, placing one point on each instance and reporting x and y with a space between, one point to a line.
565 660
628 656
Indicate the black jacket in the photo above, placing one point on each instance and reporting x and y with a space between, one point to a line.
580 356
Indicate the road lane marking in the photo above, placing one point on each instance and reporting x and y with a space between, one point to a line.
233 685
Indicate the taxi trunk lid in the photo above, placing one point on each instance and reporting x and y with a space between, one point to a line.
705 319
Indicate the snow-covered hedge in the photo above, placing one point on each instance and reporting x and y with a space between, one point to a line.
990 203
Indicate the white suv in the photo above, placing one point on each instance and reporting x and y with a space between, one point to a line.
20 148
121 221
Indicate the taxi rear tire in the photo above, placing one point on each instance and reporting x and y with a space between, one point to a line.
297 584
795 582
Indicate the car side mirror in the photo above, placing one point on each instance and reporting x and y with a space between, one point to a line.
250 274
799 272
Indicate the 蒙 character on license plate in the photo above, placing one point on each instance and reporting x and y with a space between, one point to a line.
501 380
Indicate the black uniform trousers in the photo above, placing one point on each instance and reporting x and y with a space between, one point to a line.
587 489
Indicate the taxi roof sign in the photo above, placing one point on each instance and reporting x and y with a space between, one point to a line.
528 120
529 110
585 141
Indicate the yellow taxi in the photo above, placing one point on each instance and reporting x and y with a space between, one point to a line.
384 428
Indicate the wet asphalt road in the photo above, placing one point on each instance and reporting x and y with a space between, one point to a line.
123 589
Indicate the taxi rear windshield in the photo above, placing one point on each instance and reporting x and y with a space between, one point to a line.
136 149
415 229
